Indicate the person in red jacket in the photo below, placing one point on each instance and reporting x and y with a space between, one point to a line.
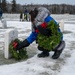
40 17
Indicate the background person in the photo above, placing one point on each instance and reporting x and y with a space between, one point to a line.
1 13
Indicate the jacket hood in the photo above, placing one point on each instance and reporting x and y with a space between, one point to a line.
42 14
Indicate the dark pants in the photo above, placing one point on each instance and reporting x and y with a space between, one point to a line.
42 49
60 46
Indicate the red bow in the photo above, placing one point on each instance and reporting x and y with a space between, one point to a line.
44 25
15 44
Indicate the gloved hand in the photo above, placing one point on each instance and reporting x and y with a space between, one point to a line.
44 31
47 32
23 44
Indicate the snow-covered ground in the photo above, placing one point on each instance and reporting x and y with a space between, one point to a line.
65 65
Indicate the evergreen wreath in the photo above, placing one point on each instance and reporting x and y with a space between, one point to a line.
20 54
50 42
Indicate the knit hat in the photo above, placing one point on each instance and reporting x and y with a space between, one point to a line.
33 14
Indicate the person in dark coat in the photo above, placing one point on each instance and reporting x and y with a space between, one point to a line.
40 17
21 16
1 12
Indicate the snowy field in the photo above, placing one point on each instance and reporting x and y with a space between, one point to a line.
65 65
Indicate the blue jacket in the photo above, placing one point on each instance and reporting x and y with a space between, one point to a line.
33 35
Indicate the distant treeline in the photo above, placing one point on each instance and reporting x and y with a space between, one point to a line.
55 8
13 7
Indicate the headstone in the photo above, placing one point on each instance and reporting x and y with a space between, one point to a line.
10 35
4 23
61 24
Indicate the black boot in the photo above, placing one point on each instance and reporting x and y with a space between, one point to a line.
57 54
43 54
59 50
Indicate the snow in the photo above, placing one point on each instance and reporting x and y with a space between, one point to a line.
65 65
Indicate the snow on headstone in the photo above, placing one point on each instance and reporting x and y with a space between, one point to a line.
10 34
61 25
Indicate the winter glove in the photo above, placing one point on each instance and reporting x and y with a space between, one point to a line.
23 44
43 29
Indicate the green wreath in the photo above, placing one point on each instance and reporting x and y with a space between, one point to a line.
49 43
18 55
